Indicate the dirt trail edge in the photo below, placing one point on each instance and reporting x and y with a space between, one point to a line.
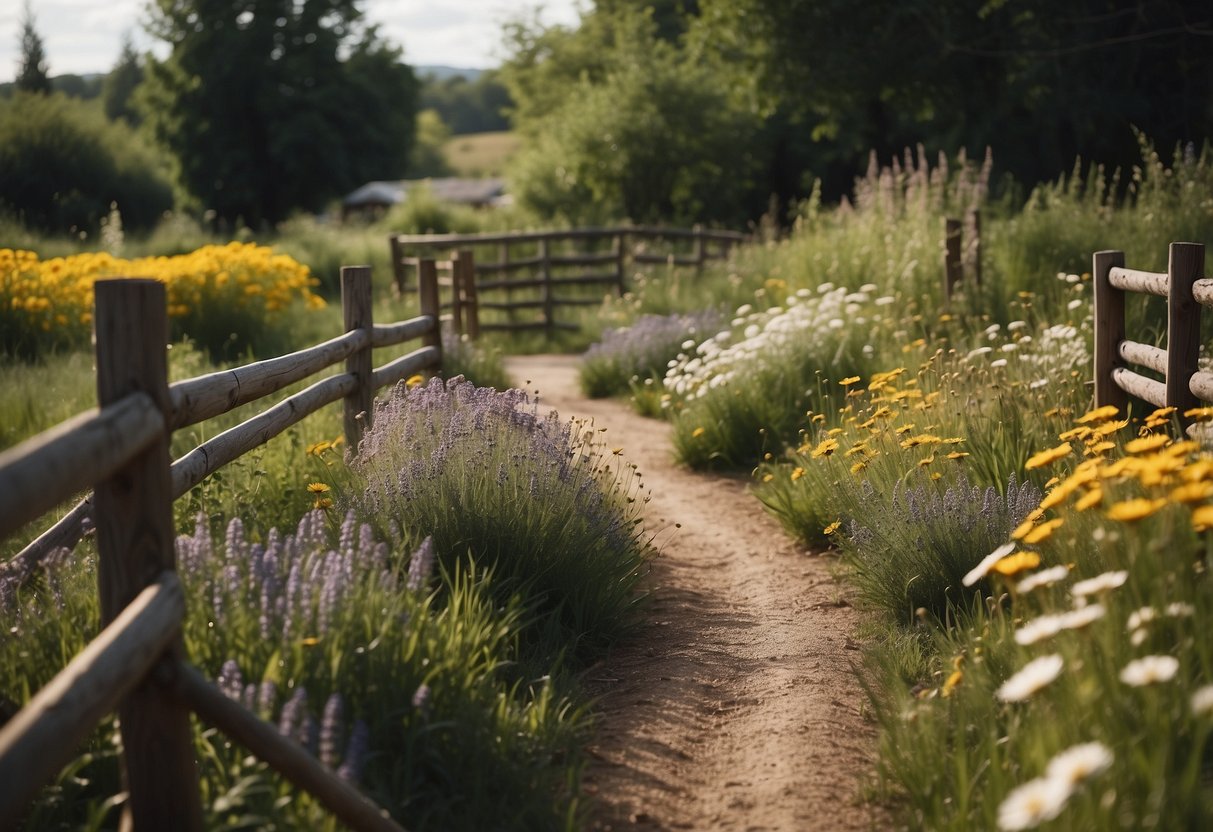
736 706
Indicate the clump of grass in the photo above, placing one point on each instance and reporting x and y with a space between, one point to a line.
631 355
477 361
539 501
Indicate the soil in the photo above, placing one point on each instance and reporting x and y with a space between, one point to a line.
736 705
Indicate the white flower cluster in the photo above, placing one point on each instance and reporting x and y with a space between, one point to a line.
759 339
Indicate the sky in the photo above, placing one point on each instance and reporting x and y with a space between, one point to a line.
85 36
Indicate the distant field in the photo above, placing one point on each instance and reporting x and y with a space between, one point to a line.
481 154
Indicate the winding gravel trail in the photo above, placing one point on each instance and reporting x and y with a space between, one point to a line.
736 707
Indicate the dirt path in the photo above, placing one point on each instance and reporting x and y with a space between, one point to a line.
736 707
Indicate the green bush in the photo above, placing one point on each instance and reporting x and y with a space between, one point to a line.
62 165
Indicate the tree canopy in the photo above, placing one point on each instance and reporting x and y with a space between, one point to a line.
32 73
810 87
272 106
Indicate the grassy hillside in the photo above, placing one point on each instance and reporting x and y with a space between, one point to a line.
481 154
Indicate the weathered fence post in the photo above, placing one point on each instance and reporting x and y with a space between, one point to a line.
952 267
465 264
427 292
398 267
1109 329
973 249
1185 265
456 293
617 248
356 307
700 247
545 274
135 539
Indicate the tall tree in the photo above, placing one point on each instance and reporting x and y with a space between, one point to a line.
120 85
32 73
272 106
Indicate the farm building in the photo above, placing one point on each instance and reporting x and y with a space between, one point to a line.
374 198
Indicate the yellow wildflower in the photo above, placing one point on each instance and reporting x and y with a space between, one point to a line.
323 502
833 527
1099 414
859 466
768 477
698 432
1200 414
1074 433
957 455
1047 456
1016 563
904 429
952 683
1028 524
1202 518
926 460
1043 532
849 380
1106 429
1138 508
797 473
1192 492
318 488
824 448
1089 500
414 381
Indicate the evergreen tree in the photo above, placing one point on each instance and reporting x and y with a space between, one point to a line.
32 73
120 86
273 106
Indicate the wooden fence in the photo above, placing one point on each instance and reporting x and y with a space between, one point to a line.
1183 385
543 271
137 665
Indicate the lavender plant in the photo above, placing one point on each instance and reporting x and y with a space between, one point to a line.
538 500
630 355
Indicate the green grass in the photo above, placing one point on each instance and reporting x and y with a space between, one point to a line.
481 154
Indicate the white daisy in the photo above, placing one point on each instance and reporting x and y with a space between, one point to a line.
1100 583
1032 677
1038 629
982 569
1079 762
1045 577
1148 670
1081 617
1032 804
1202 700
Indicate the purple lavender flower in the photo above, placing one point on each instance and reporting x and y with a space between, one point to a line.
230 680
421 699
331 730
421 565
356 751
293 713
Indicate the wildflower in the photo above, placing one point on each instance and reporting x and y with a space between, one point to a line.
1149 670
1081 617
1035 675
849 380
318 488
833 527
1145 444
1192 492
1141 617
1046 577
318 448
824 448
1200 414
322 503
1180 609
698 432
1016 563
952 682
1047 456
1139 508
1099 414
1028 523
1202 518
859 466
1080 432
1159 417
1038 629
1100 583
1202 700
1089 500
415 380
797 473
421 565
1043 532
1079 763
982 569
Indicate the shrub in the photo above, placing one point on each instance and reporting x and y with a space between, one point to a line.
62 165
536 500
641 351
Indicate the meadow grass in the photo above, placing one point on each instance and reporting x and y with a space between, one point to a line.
481 154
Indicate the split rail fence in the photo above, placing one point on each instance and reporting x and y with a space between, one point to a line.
544 271
1184 384
137 664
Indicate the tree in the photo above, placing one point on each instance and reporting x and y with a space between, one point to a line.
432 136
120 86
32 73
272 106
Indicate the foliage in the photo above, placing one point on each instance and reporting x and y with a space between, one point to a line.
477 105
306 103
639 132
62 166
338 639
641 352
481 154
432 136
118 90
32 74
476 361
226 297
538 501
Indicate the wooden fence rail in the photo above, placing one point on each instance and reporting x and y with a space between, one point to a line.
556 279
137 665
1184 385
